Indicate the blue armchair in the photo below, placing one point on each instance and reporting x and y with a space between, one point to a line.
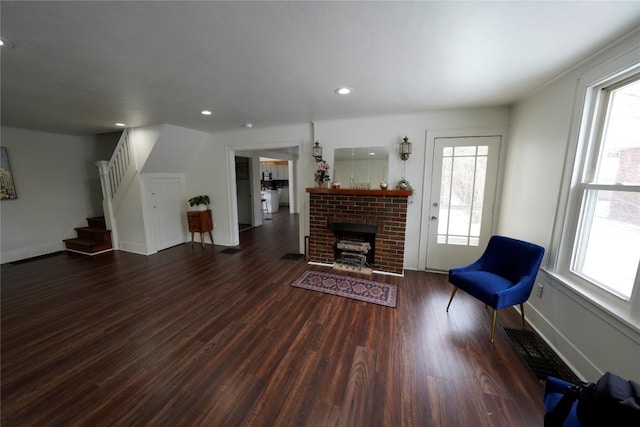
502 277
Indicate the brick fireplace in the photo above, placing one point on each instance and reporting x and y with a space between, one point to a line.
384 209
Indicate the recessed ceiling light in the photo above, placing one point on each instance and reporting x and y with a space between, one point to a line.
372 153
120 124
248 125
4 43
344 90
206 112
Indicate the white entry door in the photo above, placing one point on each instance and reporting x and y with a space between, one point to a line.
463 188
167 204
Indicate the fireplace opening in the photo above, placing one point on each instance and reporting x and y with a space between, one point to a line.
355 244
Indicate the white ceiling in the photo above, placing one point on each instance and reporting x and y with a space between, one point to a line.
77 67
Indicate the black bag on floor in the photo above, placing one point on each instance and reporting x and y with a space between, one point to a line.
612 401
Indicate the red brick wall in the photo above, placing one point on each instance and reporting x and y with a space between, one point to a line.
389 213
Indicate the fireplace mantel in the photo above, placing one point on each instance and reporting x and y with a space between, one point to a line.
358 192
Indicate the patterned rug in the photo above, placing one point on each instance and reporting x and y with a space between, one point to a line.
349 287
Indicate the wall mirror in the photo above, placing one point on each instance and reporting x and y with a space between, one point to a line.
362 167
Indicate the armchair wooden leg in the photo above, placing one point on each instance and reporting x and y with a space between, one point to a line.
494 316
524 326
451 299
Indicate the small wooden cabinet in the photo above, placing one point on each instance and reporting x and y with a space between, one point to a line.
200 222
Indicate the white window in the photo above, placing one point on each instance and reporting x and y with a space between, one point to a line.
606 244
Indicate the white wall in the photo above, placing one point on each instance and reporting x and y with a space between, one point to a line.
208 174
58 187
535 158
211 171
542 136
159 149
129 220
173 150
388 131
143 140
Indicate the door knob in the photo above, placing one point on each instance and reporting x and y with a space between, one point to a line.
434 217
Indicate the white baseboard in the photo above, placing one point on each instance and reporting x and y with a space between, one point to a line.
31 251
135 248
88 253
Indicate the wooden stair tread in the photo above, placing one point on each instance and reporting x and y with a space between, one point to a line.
91 239
87 246
93 229
88 242
97 222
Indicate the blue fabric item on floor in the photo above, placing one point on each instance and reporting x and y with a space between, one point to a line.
553 391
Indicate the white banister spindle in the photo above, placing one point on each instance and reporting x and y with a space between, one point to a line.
112 174
120 162
103 170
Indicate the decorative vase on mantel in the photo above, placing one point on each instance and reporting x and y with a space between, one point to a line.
322 184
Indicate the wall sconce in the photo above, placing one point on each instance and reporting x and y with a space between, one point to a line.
317 151
405 148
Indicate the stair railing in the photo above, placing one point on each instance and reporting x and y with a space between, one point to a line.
115 177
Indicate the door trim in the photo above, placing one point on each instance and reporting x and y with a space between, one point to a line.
147 207
431 136
232 202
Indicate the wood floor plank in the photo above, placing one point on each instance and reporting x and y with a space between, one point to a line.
196 337
357 406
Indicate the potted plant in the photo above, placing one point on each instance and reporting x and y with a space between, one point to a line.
201 202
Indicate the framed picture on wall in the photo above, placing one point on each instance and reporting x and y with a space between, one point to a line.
7 187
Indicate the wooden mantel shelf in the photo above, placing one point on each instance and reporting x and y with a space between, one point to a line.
358 192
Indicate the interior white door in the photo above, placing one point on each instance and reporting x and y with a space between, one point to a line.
463 188
167 202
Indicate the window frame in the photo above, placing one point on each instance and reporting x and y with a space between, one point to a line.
588 187
585 144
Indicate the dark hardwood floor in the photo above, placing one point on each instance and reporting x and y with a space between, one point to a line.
197 337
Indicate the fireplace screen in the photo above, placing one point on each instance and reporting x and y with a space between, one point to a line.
355 245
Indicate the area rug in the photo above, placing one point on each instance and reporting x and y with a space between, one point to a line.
348 287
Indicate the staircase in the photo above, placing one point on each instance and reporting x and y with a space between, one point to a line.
91 240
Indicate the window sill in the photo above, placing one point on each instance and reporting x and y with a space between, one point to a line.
617 315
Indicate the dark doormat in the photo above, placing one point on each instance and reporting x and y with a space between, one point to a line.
292 256
538 356
230 251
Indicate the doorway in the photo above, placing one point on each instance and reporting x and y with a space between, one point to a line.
461 207
285 150
243 192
